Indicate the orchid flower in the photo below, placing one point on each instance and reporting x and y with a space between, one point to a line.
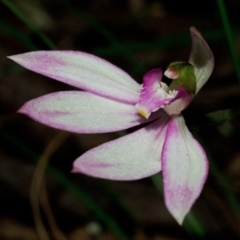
112 101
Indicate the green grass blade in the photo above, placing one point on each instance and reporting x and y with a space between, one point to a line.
24 19
230 38
15 32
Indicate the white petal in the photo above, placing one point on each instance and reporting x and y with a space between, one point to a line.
185 168
179 102
82 112
84 71
134 156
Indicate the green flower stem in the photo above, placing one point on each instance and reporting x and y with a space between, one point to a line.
191 223
230 38
68 184
24 19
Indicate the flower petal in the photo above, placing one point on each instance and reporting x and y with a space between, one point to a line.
134 156
184 166
201 58
82 70
179 102
82 112
153 95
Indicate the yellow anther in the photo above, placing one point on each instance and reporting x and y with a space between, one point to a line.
143 113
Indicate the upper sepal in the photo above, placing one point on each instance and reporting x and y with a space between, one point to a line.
201 57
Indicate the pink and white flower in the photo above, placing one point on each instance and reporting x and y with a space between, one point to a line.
113 101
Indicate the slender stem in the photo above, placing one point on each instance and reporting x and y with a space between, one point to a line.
230 38
71 186
38 193
227 28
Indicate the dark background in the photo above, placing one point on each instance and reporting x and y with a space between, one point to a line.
137 36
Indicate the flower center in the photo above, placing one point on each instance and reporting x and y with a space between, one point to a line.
155 94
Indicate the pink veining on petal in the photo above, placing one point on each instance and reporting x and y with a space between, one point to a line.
184 168
83 112
84 71
134 156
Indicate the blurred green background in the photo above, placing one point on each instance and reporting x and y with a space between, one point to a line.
40 198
